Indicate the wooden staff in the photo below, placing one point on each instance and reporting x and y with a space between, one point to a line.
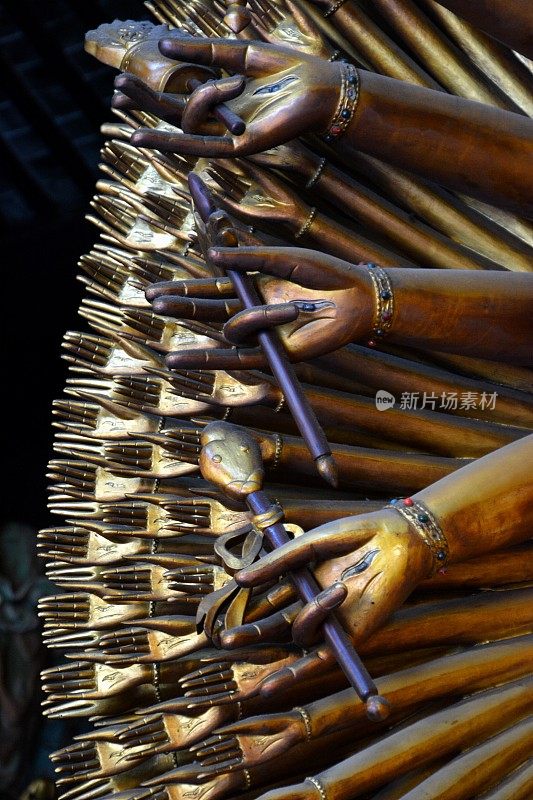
298 403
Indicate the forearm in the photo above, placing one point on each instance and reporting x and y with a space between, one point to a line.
330 237
376 47
310 513
421 429
437 54
508 21
486 505
419 242
485 315
467 146
461 673
398 375
436 736
505 567
450 215
364 468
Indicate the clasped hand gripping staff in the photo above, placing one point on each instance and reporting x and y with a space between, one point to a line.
231 459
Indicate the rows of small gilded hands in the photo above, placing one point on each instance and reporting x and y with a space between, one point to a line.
136 554
128 556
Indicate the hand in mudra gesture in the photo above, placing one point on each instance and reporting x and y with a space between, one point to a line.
281 94
367 564
317 302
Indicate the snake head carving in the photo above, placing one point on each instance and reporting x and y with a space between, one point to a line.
231 459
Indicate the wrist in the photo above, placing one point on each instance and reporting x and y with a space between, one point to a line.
304 222
383 302
423 523
348 97
366 305
302 719
315 167
267 445
333 7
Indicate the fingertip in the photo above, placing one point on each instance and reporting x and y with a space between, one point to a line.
337 593
277 682
160 305
141 138
121 101
235 83
121 80
167 46
244 578
151 293
229 640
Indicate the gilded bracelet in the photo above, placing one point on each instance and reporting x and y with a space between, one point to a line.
348 97
307 224
318 786
280 405
317 173
333 9
384 301
278 438
306 721
427 527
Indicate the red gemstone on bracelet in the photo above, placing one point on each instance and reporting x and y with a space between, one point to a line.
386 315
335 130
371 343
408 501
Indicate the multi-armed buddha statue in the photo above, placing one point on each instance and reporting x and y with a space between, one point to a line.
294 454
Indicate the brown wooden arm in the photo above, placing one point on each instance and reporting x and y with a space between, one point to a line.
310 513
489 504
466 146
508 21
376 47
400 375
486 315
442 677
365 468
331 237
421 244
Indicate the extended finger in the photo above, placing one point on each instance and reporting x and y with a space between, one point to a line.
324 542
312 666
246 57
187 144
274 628
124 103
210 288
306 626
243 358
187 308
305 267
208 95
277 597
164 105
253 320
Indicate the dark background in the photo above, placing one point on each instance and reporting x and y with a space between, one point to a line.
53 100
